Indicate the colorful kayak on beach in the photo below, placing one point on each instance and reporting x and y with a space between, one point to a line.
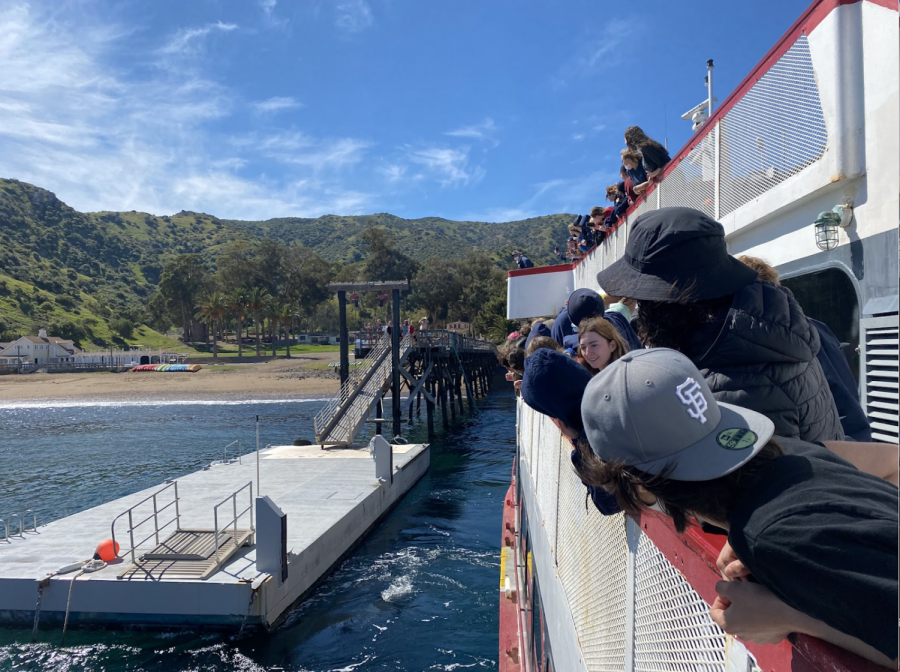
189 368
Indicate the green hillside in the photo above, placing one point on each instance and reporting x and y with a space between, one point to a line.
335 238
77 272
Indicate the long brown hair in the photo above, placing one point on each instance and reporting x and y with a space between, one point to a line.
713 500
605 329
636 139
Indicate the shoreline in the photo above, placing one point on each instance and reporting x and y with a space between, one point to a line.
276 381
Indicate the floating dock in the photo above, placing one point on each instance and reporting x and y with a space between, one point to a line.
207 550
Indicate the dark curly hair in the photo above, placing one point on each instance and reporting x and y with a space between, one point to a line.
636 139
712 500
664 324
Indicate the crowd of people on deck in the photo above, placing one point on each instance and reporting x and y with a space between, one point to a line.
697 387
643 162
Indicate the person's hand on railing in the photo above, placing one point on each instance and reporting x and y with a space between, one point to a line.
751 612
730 566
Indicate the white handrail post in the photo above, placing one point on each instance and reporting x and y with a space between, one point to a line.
717 162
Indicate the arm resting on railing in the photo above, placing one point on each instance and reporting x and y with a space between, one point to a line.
753 613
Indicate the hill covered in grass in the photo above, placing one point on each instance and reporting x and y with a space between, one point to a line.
67 270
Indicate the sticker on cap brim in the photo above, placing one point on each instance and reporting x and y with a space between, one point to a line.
736 438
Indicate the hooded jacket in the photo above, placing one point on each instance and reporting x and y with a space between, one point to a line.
762 356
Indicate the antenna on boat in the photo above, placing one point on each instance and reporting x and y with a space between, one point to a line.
703 111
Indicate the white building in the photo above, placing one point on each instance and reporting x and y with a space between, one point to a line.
37 350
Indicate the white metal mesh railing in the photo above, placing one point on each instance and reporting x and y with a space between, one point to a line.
672 628
592 560
775 131
614 588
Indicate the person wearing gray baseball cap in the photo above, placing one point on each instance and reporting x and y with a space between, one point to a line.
750 338
797 515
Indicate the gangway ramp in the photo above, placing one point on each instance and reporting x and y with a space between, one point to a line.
342 417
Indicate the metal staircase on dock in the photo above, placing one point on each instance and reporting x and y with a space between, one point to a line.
343 416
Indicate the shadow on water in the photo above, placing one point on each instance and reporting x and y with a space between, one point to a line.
420 593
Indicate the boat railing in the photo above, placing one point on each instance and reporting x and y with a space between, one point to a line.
638 592
233 522
169 488
779 137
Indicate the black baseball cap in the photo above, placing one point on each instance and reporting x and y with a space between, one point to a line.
675 255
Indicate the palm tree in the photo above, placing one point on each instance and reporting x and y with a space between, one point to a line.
213 310
237 304
272 312
258 300
284 313
499 328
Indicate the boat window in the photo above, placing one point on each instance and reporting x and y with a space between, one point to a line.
829 296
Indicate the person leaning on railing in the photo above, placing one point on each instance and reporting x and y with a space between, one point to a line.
817 534
750 338
654 156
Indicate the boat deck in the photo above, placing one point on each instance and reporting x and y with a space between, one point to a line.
331 498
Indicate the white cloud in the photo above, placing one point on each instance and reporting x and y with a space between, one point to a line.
276 104
578 137
480 131
353 16
450 167
185 40
392 172
600 51
74 120
269 18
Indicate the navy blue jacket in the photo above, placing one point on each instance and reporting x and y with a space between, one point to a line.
842 384
623 326
638 175
562 327
604 501
524 262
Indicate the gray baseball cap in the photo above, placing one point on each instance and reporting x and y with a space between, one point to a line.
653 410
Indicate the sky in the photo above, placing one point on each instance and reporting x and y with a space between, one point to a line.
490 110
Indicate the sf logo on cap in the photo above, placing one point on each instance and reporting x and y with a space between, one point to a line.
691 395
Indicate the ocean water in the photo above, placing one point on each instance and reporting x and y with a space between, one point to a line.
420 593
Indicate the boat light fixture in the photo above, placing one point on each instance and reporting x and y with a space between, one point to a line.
827 224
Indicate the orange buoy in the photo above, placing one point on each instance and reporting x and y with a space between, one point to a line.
107 550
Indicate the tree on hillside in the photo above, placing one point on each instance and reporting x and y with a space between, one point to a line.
213 310
236 268
257 302
181 284
482 282
436 286
384 261
306 280
237 304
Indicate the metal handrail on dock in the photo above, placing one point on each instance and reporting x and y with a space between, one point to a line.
132 526
22 519
234 521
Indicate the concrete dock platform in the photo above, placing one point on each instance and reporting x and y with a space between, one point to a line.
330 498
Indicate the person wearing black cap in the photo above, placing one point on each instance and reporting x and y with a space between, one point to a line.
554 384
584 304
521 260
818 536
750 339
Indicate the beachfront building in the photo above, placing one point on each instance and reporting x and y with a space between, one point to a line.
37 350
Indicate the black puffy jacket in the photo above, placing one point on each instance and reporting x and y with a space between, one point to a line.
762 356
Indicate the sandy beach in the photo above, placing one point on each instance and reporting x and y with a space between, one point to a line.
277 379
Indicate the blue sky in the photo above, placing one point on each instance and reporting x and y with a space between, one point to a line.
493 110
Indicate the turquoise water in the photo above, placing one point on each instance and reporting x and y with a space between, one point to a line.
419 594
